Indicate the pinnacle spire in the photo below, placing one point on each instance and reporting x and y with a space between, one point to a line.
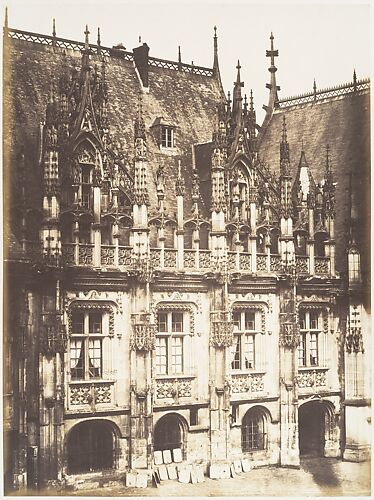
54 28
179 55
272 86
86 41
98 37
139 122
251 107
6 18
215 58
284 149
284 130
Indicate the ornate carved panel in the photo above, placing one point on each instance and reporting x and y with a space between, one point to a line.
170 258
143 333
68 253
231 261
251 382
321 265
166 388
302 264
245 262
289 334
85 255
91 393
275 263
222 329
204 259
156 257
261 262
189 258
312 378
124 256
107 255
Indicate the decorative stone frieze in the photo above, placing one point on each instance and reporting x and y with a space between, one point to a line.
353 340
289 334
173 388
312 378
251 382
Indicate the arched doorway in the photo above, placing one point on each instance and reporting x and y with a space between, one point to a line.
91 447
312 428
254 430
170 433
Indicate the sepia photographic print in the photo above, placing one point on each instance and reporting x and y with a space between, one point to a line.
186 243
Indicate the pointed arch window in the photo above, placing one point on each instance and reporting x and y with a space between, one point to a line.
354 269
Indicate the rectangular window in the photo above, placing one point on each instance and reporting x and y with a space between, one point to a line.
170 343
310 321
167 137
161 356
243 349
85 348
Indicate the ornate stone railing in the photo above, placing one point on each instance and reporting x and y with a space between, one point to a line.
321 265
261 262
174 387
244 261
170 257
189 259
247 382
108 255
68 253
155 255
124 256
276 263
85 255
204 259
302 264
311 377
90 395
231 261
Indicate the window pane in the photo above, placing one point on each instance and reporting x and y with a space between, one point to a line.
77 323
302 351
161 356
94 323
76 359
249 352
249 320
314 349
94 358
235 364
236 320
313 315
302 320
177 354
177 322
162 322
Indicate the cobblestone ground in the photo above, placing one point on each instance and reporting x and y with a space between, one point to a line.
316 477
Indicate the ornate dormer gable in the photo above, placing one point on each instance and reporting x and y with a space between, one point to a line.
303 191
285 175
328 189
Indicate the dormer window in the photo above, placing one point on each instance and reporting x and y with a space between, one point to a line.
167 137
164 133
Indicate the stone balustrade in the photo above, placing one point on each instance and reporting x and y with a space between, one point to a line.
89 395
312 378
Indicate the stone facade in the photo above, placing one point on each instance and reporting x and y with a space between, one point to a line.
169 297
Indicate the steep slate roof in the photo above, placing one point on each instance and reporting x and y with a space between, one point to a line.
188 100
343 123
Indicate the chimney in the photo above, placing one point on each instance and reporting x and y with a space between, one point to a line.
141 62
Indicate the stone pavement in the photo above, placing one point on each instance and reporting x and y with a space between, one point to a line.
316 477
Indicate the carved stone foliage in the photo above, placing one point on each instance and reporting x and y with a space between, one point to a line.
53 337
289 334
143 333
222 329
231 261
204 259
311 378
177 388
68 253
245 262
156 257
251 382
92 305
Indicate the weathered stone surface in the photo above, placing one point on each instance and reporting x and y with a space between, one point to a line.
162 470
172 472
238 466
131 479
141 480
246 465
184 475
166 454
177 455
158 459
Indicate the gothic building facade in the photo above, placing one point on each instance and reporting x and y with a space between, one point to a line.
182 284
